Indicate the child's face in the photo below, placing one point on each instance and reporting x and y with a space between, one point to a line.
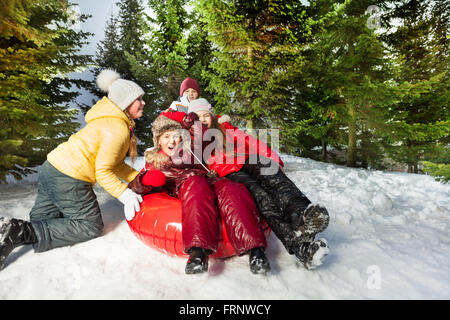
205 117
192 94
136 109
168 141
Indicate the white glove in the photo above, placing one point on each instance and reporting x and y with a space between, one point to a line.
185 100
131 203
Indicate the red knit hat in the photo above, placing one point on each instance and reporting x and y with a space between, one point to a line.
189 83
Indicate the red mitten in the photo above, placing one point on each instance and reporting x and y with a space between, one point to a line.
189 120
154 178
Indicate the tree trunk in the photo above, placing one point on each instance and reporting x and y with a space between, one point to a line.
324 150
364 162
173 86
250 124
351 150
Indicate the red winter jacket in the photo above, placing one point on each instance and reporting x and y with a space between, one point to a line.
243 143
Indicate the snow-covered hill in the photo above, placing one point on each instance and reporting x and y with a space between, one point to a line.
388 235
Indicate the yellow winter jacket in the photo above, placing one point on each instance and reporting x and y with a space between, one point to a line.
97 152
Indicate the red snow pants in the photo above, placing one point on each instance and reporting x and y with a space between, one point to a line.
205 202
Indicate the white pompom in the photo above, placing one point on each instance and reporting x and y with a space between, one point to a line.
224 118
105 78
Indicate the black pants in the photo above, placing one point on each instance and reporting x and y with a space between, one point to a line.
278 199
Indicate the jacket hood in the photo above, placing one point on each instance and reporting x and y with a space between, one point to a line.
105 108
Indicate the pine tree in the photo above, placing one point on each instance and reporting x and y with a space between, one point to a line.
199 54
441 172
122 49
107 56
168 46
15 17
159 68
366 72
421 124
257 48
131 21
132 34
345 82
176 47
37 50
156 51
311 123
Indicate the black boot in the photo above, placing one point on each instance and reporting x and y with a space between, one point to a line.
197 262
13 233
311 221
312 254
259 264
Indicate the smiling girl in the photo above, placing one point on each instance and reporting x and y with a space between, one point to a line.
66 210
205 200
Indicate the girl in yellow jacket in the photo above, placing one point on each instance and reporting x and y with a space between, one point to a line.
66 210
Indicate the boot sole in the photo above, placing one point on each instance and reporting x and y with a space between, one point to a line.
315 222
196 269
260 269
5 227
317 257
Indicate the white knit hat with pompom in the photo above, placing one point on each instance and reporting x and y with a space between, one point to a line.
121 92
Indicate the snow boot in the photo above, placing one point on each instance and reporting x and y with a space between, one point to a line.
312 254
197 262
259 264
13 233
313 220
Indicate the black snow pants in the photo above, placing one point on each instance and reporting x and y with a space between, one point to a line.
278 199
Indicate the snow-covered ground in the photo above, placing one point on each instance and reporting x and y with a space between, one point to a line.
388 235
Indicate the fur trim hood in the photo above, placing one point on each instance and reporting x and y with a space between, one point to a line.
157 159
160 125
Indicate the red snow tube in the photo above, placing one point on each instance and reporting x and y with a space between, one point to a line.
158 225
